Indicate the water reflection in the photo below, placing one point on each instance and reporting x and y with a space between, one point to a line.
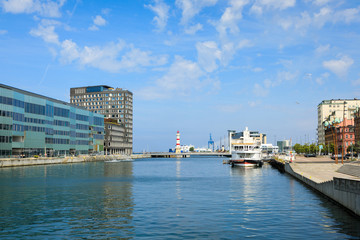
74 200
175 198
110 210
342 219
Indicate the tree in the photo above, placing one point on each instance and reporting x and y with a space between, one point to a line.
298 148
357 147
306 148
191 149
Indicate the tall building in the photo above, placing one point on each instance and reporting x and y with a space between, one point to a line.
284 145
32 124
116 104
329 110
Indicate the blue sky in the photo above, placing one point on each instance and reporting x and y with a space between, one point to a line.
197 66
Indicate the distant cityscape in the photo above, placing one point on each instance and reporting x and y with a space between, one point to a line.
99 120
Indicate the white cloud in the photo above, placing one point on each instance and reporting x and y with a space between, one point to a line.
244 43
208 54
182 77
262 90
303 21
319 19
46 31
321 2
322 49
3 32
285 76
97 22
325 14
190 8
162 14
348 15
135 57
193 29
44 8
339 67
259 5
230 17
108 58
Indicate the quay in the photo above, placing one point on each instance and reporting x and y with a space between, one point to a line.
189 154
16 162
338 182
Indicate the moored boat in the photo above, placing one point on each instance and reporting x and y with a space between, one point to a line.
246 149
246 155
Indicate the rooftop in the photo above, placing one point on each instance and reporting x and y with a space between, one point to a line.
40 96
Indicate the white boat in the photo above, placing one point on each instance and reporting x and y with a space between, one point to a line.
246 155
245 148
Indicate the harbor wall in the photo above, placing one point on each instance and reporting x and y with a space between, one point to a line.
346 192
16 162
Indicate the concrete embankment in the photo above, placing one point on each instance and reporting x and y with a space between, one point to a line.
339 182
15 162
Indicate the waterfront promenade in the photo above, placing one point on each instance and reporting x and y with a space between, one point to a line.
323 169
339 182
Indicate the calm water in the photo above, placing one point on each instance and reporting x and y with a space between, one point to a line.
164 199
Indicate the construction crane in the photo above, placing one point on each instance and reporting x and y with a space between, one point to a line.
211 144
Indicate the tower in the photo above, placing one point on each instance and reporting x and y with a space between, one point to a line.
177 149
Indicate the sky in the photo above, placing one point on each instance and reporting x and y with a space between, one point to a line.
197 66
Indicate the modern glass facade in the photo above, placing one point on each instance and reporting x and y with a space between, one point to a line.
31 124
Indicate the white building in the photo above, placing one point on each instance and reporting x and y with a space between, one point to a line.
269 148
186 148
332 109
249 137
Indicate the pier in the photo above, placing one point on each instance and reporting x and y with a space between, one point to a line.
188 154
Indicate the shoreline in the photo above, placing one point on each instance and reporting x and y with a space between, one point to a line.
338 182
19 162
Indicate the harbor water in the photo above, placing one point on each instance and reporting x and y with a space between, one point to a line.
189 198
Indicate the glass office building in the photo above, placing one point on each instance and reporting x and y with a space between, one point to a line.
31 124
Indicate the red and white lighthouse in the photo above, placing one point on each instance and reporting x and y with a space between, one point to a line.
177 149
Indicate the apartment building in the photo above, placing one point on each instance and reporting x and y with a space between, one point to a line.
112 103
329 110
341 134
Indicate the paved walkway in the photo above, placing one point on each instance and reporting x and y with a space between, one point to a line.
319 169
